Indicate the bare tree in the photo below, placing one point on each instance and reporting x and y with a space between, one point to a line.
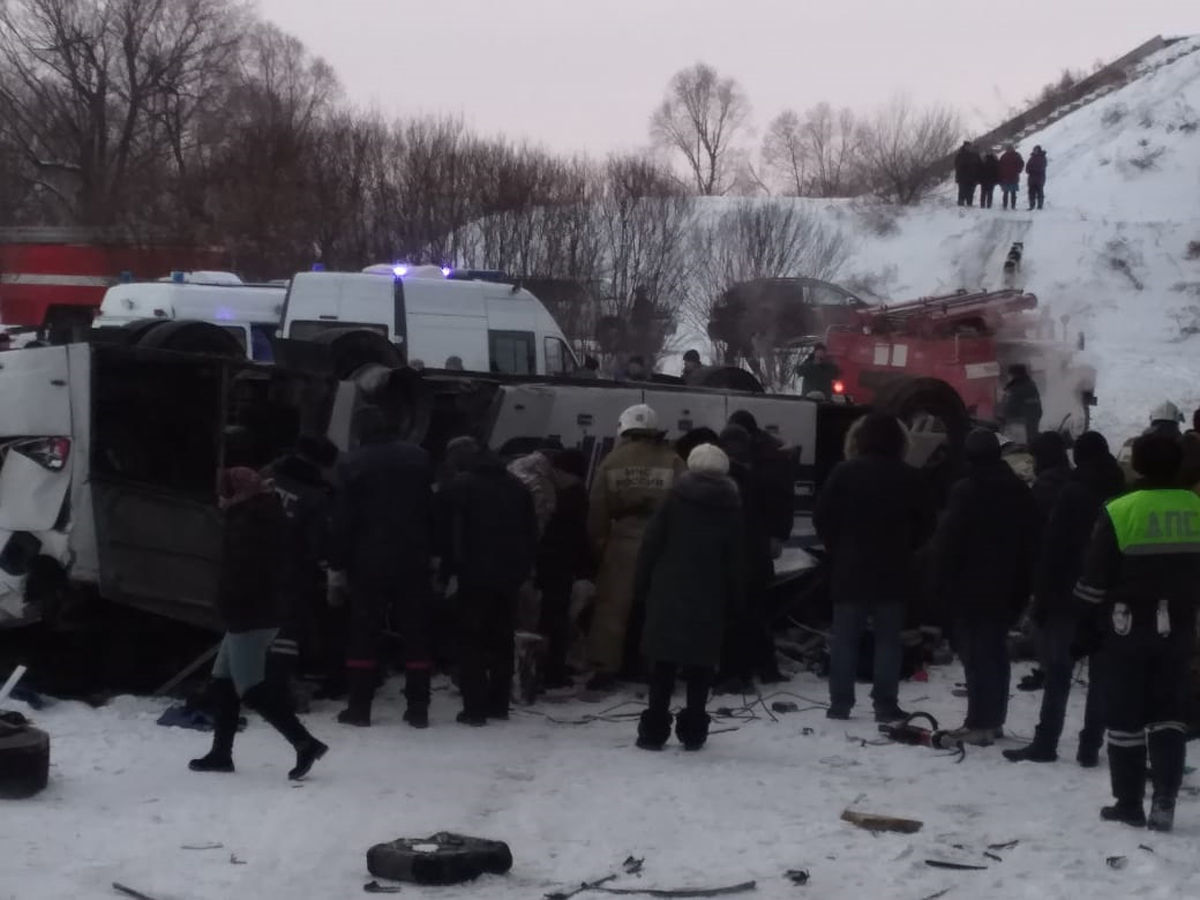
784 154
734 259
701 118
902 145
814 155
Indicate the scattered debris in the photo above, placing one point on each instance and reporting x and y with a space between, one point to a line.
785 706
1005 846
585 886
130 892
1117 862
374 887
202 847
941 893
875 822
990 855
949 864
742 888
797 876
633 866
1144 847
234 861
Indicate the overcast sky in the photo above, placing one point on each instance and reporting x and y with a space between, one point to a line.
585 74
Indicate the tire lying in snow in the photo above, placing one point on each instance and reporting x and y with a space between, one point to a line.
445 858
24 760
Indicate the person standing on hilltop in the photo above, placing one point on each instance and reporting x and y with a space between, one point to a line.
967 166
1011 165
989 176
1035 179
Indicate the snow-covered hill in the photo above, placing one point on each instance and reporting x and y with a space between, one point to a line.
1110 250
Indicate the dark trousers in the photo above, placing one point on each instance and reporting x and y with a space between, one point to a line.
966 193
486 628
749 644
983 646
1056 638
1037 194
986 193
371 607
1146 681
555 623
662 686
849 625
1008 193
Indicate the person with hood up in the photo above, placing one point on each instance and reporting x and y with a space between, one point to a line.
1140 577
872 515
1165 419
487 536
989 177
1009 168
564 557
1021 405
819 372
380 547
967 170
689 576
248 601
629 486
1095 480
984 553
1035 178
1051 470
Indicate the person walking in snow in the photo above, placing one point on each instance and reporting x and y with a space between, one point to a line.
630 485
689 577
872 515
1141 576
1095 480
249 603
380 546
1035 178
967 170
989 176
1010 167
487 536
984 553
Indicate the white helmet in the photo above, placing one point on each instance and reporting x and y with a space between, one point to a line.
1166 412
638 418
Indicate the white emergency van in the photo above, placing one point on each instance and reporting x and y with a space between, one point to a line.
443 322
250 312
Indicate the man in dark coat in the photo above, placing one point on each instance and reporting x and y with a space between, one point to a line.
1096 479
1051 470
819 372
1035 178
689 575
967 169
872 515
564 557
249 603
985 551
989 177
1021 403
1141 574
380 540
1011 165
487 534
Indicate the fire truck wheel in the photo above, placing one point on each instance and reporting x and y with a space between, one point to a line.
24 759
444 858
193 337
927 403
353 348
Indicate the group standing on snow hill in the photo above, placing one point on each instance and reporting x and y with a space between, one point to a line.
973 170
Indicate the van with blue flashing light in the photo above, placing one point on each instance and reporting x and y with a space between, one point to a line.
248 312
432 317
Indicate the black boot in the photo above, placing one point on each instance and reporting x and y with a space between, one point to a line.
1088 754
416 694
691 727
1040 749
361 688
1127 766
1167 752
654 729
275 707
226 706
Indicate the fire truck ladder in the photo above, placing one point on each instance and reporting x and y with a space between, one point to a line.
927 313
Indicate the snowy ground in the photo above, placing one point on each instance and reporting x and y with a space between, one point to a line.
574 801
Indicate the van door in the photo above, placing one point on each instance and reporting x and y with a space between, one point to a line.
512 352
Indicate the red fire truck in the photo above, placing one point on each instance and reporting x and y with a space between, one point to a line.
54 278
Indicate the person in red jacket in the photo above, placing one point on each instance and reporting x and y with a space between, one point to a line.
1012 164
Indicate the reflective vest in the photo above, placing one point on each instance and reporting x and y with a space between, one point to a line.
1155 522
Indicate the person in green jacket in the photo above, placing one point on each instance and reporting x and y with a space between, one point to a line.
690 576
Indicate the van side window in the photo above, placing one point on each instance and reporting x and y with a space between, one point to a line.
559 360
512 352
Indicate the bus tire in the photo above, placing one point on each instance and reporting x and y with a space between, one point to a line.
351 349
403 396
24 760
444 858
183 336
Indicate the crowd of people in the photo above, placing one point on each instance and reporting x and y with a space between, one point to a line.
985 172
679 541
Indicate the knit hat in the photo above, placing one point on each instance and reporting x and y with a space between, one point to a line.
708 458
638 418
982 445
1090 445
